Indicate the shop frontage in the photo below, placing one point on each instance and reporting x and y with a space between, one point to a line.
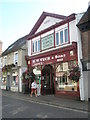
10 78
53 70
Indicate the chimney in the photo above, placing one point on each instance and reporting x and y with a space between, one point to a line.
0 47
88 3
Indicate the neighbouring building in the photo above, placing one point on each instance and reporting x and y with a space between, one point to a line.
52 51
0 47
84 26
14 64
0 60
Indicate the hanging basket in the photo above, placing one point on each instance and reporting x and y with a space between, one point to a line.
74 73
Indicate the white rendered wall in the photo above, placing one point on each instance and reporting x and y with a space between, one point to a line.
49 21
21 70
84 74
72 31
79 50
89 84
85 79
29 47
47 33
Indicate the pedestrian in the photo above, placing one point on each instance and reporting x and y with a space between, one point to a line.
34 88
38 89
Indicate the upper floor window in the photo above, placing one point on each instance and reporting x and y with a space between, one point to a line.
66 35
5 60
33 47
61 37
16 58
36 46
57 38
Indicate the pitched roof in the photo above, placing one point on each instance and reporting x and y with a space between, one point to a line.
42 17
15 46
85 18
36 26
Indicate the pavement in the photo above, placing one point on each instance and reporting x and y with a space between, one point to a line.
50 100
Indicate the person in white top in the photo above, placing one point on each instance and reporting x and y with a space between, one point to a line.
38 89
34 88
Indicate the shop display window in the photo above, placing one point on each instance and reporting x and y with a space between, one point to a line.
63 83
15 80
4 81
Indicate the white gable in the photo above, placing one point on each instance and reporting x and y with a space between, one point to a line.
48 21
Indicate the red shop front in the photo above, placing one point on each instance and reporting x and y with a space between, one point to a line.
53 67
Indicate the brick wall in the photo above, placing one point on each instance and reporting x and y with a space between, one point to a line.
85 45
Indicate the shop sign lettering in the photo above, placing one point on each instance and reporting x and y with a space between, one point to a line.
49 59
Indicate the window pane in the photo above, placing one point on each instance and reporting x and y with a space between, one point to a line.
57 39
5 60
38 45
33 46
66 35
16 58
61 37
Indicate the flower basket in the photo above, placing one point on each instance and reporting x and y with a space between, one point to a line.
74 73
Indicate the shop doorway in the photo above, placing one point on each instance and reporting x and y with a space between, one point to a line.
8 83
47 80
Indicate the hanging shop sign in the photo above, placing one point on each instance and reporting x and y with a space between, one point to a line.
47 42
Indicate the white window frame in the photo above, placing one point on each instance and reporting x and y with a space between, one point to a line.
35 46
5 60
64 34
59 36
14 58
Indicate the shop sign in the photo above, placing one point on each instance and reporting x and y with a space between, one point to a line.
48 59
47 42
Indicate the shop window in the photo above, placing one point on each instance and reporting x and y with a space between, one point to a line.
15 80
71 64
63 83
4 81
59 68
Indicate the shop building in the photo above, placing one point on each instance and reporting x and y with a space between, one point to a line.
13 65
84 26
52 51
0 60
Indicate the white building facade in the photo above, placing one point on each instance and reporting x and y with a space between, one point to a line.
53 47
